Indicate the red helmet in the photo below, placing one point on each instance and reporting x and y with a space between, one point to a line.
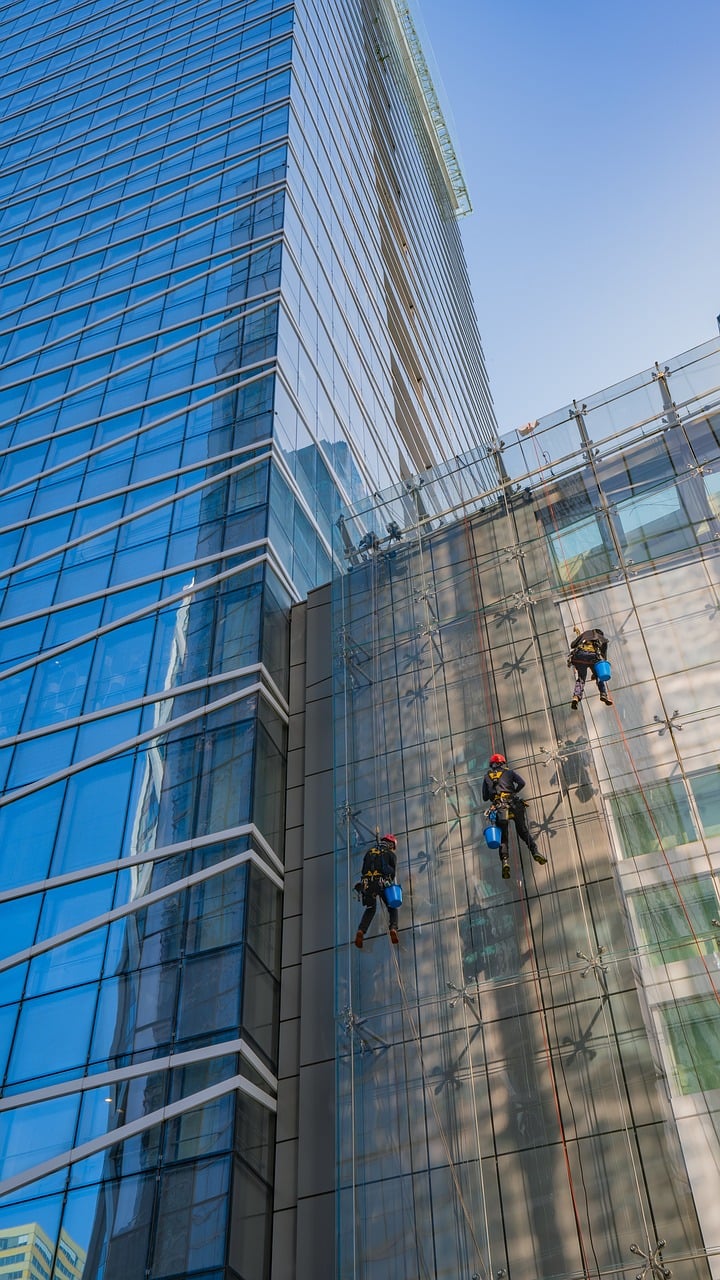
498 759
390 840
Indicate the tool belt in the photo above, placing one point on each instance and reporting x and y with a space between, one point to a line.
586 653
504 805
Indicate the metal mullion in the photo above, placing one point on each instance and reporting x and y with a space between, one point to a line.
155 190
138 739
121 521
146 700
115 1136
170 1062
117 588
173 473
139 904
135 63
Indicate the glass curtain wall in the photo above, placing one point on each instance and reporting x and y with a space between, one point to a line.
209 328
142 633
528 1083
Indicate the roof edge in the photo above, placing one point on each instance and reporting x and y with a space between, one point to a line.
411 51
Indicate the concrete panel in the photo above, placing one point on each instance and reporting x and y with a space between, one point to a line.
293 848
318 903
319 658
316 1153
289 1048
296 700
319 810
318 736
284 1245
321 689
290 992
287 1112
295 801
317 1026
316 1231
291 941
297 633
286 1174
293 894
296 767
296 731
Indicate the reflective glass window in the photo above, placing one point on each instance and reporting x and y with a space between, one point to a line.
36 1133
669 916
657 817
705 787
29 823
94 816
191 1218
693 1031
63 1020
210 994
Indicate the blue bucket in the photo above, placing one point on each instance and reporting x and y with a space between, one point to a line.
392 893
493 837
603 669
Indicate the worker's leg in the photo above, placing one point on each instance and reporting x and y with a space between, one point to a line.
604 695
521 827
503 850
580 678
366 919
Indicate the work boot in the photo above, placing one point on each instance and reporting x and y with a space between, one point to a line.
605 697
505 869
394 935
574 704
359 938
539 857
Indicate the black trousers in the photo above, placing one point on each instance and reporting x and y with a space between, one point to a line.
369 912
582 671
518 815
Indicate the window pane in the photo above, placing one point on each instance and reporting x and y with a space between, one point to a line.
667 918
693 1031
706 791
660 814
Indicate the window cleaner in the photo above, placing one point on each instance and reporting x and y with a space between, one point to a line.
377 880
588 653
501 786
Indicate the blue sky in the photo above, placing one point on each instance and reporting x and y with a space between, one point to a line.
589 136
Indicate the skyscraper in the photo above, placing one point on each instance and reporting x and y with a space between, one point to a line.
528 1084
234 299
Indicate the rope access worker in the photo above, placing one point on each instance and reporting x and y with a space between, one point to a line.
588 648
501 787
378 871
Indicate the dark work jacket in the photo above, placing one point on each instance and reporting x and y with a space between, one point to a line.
589 646
380 860
499 781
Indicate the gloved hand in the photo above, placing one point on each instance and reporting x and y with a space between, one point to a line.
569 662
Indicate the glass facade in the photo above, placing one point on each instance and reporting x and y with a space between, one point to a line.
528 1085
234 299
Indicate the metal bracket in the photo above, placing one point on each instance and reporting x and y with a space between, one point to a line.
654 1265
468 997
445 784
523 598
668 725
351 655
355 1028
516 552
595 965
